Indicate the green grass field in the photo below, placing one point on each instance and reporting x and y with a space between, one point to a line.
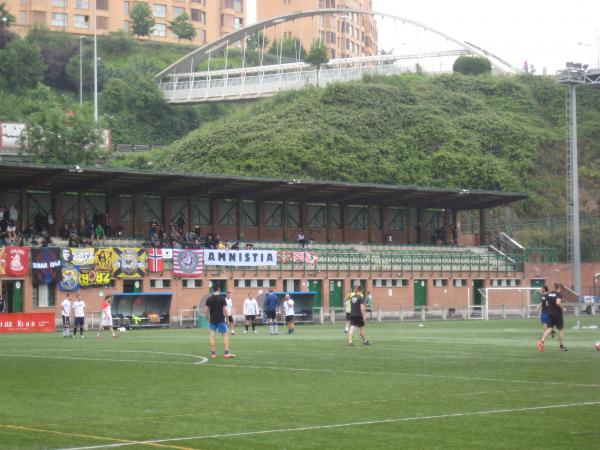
444 385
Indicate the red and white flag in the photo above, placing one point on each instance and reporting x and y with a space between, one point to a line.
305 257
188 262
155 260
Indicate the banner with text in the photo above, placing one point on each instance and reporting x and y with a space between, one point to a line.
240 257
45 265
27 323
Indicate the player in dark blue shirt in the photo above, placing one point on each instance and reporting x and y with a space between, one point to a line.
271 301
555 318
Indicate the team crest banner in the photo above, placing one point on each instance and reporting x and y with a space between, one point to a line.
17 261
82 258
2 261
130 262
45 265
105 259
187 262
69 279
240 257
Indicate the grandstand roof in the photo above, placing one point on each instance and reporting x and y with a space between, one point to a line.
166 183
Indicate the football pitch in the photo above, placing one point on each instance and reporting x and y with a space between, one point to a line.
457 385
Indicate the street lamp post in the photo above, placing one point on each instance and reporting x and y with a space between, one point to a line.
81 72
95 67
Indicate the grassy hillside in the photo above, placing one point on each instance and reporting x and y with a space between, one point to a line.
493 132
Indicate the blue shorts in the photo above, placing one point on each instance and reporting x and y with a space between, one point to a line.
544 318
221 327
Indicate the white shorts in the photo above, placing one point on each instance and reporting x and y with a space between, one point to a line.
106 322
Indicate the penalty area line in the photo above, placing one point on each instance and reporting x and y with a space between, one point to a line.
340 425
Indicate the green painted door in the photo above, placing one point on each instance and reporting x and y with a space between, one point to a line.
12 291
477 295
131 286
336 293
536 296
420 293
315 286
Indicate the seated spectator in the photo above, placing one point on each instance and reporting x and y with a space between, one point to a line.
64 232
235 246
46 240
29 233
74 240
11 231
209 241
88 231
99 233
301 239
222 245
249 246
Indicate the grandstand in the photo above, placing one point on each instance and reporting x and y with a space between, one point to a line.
374 235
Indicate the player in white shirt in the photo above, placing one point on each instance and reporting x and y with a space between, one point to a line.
230 321
79 308
250 311
66 312
288 306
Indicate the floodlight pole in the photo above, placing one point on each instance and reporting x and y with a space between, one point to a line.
576 261
81 73
95 67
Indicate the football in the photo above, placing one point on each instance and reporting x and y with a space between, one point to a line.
597 346
122 330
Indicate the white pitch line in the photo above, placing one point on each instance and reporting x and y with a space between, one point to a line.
339 425
201 359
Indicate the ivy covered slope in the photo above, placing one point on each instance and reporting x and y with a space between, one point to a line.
490 132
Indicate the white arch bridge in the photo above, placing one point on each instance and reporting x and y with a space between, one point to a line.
183 82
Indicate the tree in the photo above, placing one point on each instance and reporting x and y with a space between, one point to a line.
257 41
472 65
54 136
6 18
182 27
21 66
142 19
317 55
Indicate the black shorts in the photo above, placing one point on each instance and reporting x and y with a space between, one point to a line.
250 317
66 321
357 321
79 321
271 314
230 319
347 317
289 319
555 320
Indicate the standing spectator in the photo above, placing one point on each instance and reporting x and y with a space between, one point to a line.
250 311
288 306
13 213
66 312
216 310
50 221
106 318
357 316
11 231
79 308
64 232
271 301
230 321
555 318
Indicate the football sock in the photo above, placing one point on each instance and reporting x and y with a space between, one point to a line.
247 327
253 326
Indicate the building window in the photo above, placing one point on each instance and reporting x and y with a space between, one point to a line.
177 11
82 4
102 5
160 29
272 214
126 26
238 23
191 283
316 216
228 213
397 219
44 295
236 5
357 216
390 283
59 3
159 10
440 282
198 16
59 20
459 282
102 23
202 36
81 21
39 17
227 20
506 282
160 283
126 8
249 214
202 2
22 18
244 283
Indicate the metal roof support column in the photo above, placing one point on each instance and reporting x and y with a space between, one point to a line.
447 234
482 240
167 212
23 208
238 219
138 214
328 222
80 210
214 214
284 221
370 224
260 209
189 215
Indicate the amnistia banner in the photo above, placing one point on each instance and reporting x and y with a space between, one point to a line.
240 257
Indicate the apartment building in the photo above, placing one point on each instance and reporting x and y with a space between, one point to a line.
344 36
211 18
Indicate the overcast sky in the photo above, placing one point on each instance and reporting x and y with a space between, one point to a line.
545 33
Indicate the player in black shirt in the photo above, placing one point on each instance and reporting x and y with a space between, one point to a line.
216 311
555 318
543 307
357 316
